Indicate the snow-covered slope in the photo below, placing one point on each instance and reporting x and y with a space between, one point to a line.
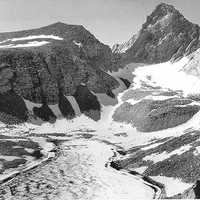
146 152
170 76
122 48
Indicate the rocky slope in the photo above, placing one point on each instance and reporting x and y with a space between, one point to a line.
150 115
165 35
46 65
122 48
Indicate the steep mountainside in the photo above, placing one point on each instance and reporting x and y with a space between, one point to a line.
122 48
46 65
165 35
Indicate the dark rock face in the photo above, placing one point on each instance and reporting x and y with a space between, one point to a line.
65 107
40 74
126 82
165 35
149 115
92 49
12 108
44 113
60 65
88 102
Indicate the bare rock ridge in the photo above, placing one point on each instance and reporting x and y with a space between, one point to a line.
44 74
165 35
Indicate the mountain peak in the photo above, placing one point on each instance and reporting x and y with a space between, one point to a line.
165 7
165 35
162 11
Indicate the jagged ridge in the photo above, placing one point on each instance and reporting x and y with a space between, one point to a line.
165 35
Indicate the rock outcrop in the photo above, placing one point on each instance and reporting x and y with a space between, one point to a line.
88 102
12 108
44 113
68 57
65 107
149 115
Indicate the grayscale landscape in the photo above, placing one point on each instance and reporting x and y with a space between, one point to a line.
80 119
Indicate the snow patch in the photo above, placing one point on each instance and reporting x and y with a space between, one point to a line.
9 158
173 186
32 37
56 110
127 71
79 44
140 170
46 146
151 146
29 44
197 151
30 105
74 105
163 156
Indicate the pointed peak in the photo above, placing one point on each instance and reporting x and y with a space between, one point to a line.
165 8
161 11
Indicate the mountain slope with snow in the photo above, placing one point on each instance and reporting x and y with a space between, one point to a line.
165 35
45 65
71 120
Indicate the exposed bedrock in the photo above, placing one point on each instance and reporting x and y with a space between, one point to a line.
65 107
126 82
12 108
165 35
44 113
149 115
38 73
88 102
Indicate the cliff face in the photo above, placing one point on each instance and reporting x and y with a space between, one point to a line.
165 35
43 65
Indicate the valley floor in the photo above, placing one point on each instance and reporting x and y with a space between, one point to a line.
78 172
166 151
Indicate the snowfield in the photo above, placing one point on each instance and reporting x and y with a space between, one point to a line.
79 171
172 186
32 37
168 75
35 43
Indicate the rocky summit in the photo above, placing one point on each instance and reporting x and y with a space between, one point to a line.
165 35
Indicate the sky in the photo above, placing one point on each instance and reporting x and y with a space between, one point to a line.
111 21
